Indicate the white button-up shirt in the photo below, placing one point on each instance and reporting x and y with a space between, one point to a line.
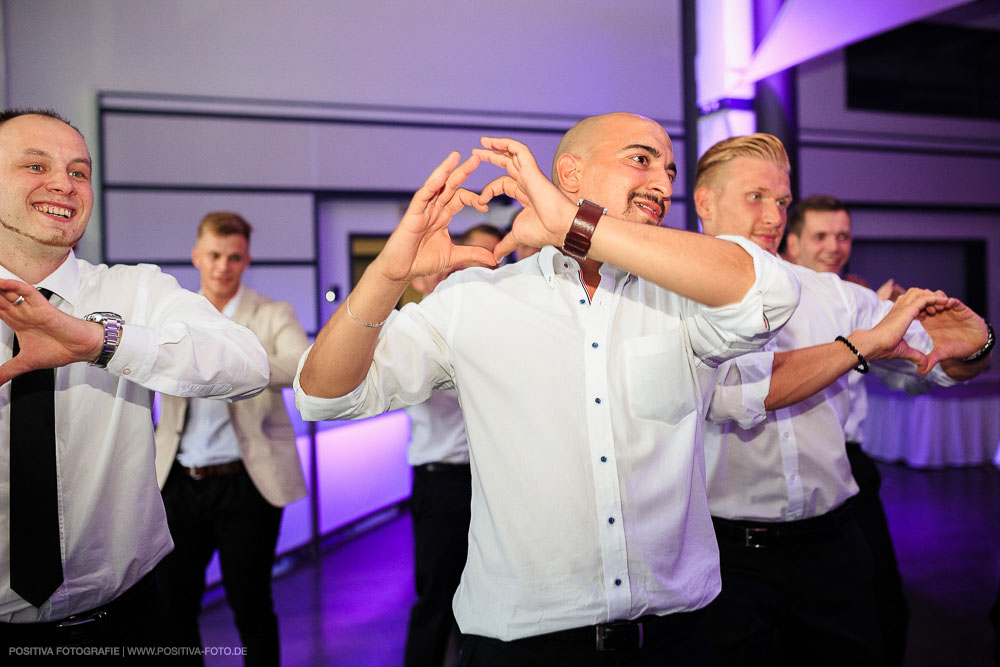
791 464
112 526
584 420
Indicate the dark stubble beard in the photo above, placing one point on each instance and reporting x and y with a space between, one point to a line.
650 196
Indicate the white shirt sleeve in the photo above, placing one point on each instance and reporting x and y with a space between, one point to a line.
740 390
411 359
723 332
174 341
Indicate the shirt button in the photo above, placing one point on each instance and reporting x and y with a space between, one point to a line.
593 345
784 435
604 459
618 582
582 301
597 400
127 371
611 519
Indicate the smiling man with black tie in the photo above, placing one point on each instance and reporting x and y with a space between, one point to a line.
91 356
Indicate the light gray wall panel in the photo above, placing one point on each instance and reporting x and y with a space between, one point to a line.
145 225
314 155
870 175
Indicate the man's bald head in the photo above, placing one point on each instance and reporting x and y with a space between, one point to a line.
580 139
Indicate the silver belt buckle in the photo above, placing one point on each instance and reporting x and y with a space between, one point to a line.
608 637
748 536
78 630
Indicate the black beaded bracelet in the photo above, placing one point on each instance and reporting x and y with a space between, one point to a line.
862 366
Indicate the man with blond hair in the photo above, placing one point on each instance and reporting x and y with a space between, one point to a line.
582 373
796 571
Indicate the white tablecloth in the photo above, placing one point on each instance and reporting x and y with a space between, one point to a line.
946 427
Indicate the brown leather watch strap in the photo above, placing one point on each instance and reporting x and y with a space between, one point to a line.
577 241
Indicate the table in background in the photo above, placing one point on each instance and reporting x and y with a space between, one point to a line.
945 427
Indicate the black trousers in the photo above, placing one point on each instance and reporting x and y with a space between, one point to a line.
134 627
675 640
228 514
890 602
440 505
796 602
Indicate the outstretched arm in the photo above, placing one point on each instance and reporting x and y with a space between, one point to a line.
48 337
798 374
419 246
697 266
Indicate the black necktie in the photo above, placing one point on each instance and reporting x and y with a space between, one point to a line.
35 562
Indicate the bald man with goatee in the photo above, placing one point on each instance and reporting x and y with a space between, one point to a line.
582 372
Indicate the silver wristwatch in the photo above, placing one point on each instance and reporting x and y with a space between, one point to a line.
113 324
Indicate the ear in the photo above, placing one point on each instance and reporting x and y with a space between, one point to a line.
704 204
568 171
194 256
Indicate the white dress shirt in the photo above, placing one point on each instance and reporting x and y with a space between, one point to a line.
791 464
584 422
209 437
112 526
437 430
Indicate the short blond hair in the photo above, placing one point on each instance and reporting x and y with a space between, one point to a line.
760 146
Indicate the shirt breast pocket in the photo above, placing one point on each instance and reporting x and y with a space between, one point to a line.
658 378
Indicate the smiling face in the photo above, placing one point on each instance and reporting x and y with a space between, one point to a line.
623 162
45 191
824 243
747 197
221 261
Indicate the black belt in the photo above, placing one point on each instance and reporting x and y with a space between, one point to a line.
201 472
624 635
441 466
84 628
759 534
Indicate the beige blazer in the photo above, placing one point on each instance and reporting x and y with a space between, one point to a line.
266 438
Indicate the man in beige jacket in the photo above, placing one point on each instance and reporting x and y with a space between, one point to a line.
228 469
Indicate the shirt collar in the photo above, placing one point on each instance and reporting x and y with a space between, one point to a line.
553 263
63 281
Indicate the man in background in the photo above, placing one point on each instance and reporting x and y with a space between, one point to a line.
76 443
440 502
819 237
227 470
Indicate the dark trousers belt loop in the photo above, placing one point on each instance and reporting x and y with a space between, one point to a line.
761 534
201 472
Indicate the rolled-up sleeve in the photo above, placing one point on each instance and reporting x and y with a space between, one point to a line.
411 359
724 332
741 388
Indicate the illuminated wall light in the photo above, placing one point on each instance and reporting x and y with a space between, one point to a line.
332 293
